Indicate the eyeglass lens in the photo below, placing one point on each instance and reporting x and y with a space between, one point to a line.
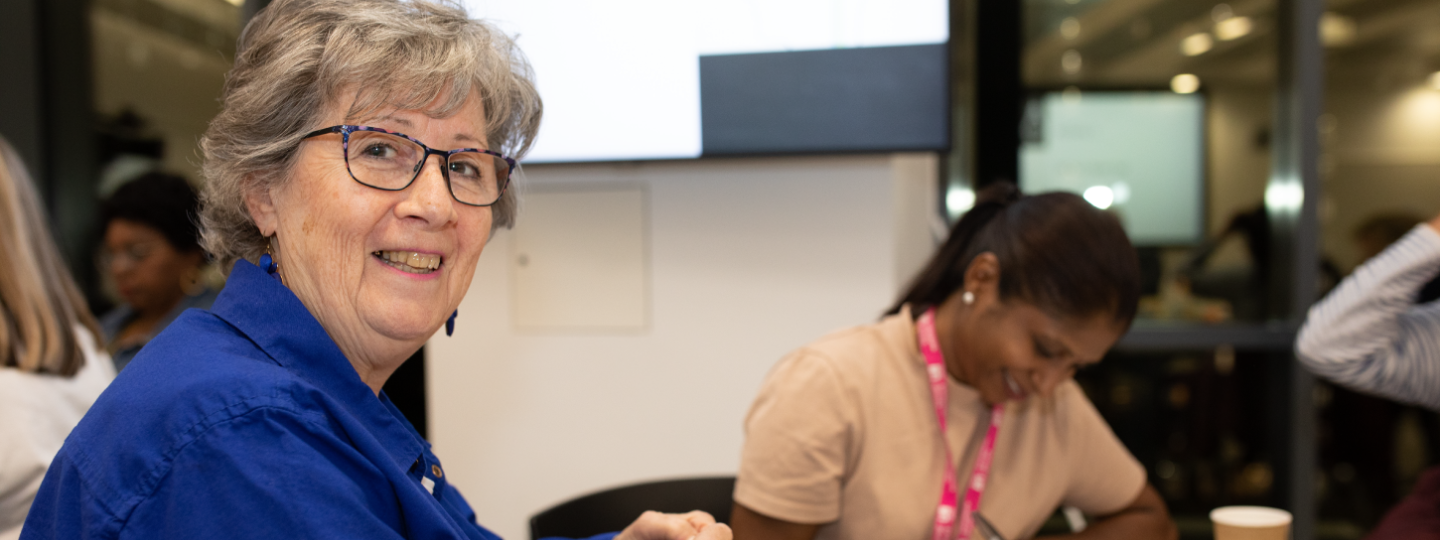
128 256
390 162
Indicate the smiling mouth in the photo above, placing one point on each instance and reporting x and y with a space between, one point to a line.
1015 391
410 261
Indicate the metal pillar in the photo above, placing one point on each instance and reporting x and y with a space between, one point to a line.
1291 199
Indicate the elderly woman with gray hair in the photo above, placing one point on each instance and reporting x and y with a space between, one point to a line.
355 173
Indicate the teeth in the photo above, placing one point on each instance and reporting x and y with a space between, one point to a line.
411 261
1014 387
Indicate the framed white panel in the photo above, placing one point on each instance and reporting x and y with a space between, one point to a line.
580 260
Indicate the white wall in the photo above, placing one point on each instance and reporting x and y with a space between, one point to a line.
749 258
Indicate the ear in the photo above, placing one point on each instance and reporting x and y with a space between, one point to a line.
261 205
982 277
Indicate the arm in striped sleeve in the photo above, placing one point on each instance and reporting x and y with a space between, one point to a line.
1368 334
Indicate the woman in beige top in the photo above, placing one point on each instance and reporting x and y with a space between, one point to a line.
843 441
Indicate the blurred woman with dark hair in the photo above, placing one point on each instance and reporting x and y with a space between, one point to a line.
965 389
50 369
152 252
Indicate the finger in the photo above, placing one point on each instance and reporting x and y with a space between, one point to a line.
653 525
717 531
699 519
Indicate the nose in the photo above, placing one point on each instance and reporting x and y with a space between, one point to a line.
428 197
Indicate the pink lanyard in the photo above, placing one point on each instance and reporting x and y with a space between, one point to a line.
940 394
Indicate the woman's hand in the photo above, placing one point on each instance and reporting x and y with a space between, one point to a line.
695 525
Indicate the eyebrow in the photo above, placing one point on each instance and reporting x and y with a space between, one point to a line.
396 120
465 137
459 137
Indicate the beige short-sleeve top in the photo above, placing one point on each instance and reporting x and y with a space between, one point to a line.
843 433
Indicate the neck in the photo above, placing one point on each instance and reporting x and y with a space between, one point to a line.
374 362
948 317
374 357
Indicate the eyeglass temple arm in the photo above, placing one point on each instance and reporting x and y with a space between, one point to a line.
324 131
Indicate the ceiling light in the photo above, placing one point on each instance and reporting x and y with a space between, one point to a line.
1185 83
1071 62
1286 196
1196 44
1336 30
236 3
1070 28
1099 196
959 199
1233 28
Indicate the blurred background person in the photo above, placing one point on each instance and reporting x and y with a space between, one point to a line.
1025 291
50 368
152 253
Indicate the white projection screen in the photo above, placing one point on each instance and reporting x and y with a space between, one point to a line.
1141 152
621 78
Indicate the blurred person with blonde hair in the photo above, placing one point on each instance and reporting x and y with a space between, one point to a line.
50 368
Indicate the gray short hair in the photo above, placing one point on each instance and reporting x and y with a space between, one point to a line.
297 56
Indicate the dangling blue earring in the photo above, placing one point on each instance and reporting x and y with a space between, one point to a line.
450 324
268 264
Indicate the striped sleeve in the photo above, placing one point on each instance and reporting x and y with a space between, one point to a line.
1368 334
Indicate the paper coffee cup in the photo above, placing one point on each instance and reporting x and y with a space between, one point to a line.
1250 523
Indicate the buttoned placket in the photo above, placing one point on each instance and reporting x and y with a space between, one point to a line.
430 475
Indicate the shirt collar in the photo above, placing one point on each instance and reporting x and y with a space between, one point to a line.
268 313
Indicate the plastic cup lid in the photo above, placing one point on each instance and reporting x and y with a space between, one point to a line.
1250 516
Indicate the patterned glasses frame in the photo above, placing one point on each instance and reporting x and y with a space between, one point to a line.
345 130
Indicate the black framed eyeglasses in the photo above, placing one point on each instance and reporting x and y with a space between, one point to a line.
390 161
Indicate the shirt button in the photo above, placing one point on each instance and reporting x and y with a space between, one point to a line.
435 470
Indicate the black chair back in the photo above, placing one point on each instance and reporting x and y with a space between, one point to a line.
614 509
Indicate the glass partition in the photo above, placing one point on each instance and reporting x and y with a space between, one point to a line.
1161 111
1380 158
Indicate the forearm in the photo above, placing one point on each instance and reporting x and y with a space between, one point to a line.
752 525
1146 518
1139 525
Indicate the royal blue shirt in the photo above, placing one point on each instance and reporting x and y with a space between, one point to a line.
247 422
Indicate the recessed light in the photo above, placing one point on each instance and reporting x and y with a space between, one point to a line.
1185 83
1336 30
1234 28
1197 44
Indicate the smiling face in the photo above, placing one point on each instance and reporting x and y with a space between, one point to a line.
381 270
1010 350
